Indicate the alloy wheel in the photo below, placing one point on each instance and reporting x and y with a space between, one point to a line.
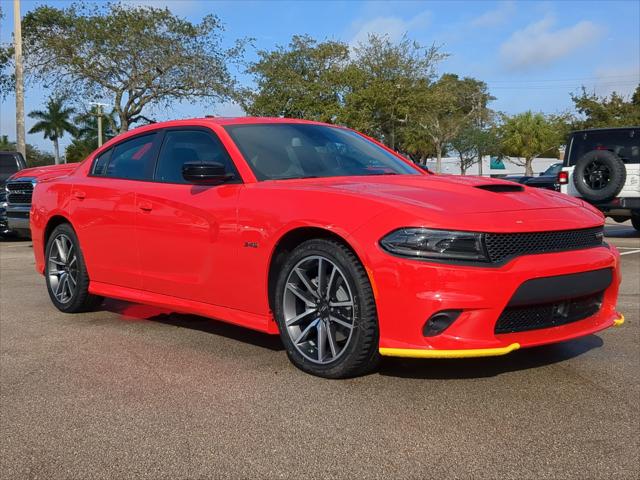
318 309
63 268
596 175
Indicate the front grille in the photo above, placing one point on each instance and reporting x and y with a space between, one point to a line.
502 246
520 319
19 192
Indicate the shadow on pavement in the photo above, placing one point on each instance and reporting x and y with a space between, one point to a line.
464 368
134 311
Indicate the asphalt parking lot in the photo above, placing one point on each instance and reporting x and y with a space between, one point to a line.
134 392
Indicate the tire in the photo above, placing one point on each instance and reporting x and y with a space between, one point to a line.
599 175
341 341
64 265
635 220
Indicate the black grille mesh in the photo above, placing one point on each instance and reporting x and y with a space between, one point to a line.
501 246
19 192
520 319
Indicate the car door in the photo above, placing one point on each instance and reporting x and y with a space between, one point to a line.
188 233
103 209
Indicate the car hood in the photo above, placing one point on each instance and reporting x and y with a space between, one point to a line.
45 172
444 193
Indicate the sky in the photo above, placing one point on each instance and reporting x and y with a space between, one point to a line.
532 54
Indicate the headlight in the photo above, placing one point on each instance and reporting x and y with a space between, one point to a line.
436 244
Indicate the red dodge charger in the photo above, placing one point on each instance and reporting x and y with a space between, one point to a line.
325 237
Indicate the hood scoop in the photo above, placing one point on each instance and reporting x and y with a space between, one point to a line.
501 188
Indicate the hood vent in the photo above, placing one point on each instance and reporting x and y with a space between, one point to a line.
501 188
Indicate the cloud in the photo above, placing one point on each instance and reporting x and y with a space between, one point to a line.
538 45
495 17
394 27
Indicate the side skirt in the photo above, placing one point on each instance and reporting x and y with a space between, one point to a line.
253 321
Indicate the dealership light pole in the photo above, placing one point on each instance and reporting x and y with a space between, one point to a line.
99 114
17 45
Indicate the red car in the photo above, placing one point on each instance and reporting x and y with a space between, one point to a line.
325 237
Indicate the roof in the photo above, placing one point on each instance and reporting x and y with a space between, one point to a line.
238 120
605 129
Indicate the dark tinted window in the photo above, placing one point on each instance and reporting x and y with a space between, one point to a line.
280 151
133 159
100 163
625 143
182 146
8 165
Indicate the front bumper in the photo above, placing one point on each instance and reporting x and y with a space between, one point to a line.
418 289
18 218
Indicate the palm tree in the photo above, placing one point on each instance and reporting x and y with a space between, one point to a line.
54 122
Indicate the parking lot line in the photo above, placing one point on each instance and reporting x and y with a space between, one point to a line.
630 252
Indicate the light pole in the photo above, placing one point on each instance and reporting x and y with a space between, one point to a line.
99 114
17 45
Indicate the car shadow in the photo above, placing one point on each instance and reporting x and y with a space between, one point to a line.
465 368
436 369
133 311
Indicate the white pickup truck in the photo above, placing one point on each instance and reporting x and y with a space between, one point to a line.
602 166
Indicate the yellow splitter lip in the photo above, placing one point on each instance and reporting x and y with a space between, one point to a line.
470 353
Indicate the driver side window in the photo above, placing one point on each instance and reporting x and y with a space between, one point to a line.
193 146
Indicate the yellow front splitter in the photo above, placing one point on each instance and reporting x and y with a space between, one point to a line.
472 352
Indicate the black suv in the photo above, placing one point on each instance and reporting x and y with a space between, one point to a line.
10 163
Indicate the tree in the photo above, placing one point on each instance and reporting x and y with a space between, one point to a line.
85 140
528 135
469 144
132 57
383 78
303 80
6 55
612 111
53 123
440 111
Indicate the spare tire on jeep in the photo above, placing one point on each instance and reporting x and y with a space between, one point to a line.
599 175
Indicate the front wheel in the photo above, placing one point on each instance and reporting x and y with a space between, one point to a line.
326 311
66 273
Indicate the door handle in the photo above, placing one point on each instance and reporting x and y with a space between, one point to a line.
79 194
145 206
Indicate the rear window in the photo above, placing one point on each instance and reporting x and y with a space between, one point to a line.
133 159
624 143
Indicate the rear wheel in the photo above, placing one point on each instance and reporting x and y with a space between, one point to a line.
66 273
326 312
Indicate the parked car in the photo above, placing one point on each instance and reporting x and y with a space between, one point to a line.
10 163
602 167
547 179
19 188
326 237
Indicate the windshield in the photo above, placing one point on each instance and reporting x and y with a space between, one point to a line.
553 170
284 150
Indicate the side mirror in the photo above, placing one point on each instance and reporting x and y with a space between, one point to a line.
205 173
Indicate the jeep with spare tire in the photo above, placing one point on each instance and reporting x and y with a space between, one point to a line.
602 167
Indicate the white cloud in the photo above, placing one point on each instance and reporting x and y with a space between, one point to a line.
495 17
393 27
537 44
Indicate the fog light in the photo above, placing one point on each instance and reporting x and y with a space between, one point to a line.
439 322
